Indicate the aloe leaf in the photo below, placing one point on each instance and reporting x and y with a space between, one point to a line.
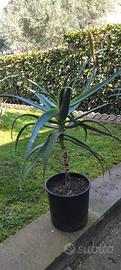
53 122
39 155
85 130
75 80
19 116
91 79
39 124
82 126
20 133
73 108
64 109
43 152
98 130
51 126
46 102
49 148
117 89
27 101
66 79
71 125
86 147
92 110
109 134
99 124
43 90
75 124
61 95
72 118
38 147
37 85
95 89
115 95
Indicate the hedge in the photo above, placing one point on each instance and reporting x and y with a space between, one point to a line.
50 68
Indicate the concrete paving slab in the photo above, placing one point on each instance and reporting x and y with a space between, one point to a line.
38 244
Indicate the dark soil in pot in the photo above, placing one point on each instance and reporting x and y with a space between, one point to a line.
68 207
77 185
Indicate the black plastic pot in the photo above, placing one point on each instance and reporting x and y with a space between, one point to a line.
68 213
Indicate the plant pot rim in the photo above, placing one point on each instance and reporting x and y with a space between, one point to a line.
67 196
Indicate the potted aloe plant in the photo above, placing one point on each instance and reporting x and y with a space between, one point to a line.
68 192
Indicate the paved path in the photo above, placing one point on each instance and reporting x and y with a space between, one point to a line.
38 244
108 256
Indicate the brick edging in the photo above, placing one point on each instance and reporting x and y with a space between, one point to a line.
105 118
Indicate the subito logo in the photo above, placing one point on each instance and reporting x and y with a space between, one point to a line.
69 249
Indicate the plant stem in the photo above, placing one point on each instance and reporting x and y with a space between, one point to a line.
92 48
65 162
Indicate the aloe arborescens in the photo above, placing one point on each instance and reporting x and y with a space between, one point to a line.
58 115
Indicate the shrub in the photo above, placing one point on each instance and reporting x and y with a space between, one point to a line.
50 68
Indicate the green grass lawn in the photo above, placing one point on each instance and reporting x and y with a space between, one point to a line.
19 208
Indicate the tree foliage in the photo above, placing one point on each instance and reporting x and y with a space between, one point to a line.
4 46
41 23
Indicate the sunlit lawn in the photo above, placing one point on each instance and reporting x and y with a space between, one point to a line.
19 208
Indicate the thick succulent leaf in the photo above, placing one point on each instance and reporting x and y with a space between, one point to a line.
74 124
71 125
85 130
73 108
27 101
38 147
92 48
64 109
91 79
37 85
18 117
44 118
43 152
97 123
49 148
51 126
46 102
61 95
40 150
42 90
95 89
106 131
77 78
92 110
99 131
66 79
117 89
115 95
88 148
72 119
20 133
53 122
103 83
